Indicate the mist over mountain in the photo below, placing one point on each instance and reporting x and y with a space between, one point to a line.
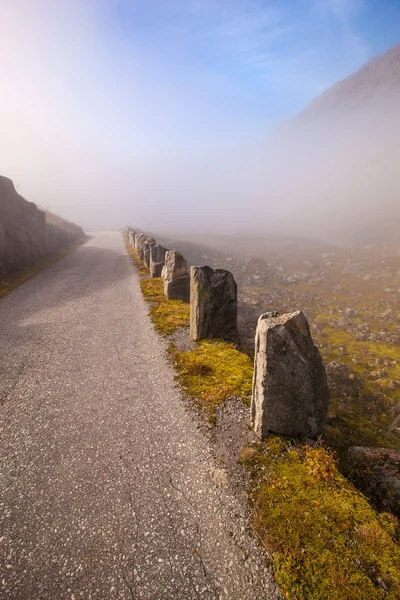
377 79
334 168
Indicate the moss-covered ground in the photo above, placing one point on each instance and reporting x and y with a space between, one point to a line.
325 541
212 372
167 315
142 269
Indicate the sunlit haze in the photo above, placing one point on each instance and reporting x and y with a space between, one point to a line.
172 115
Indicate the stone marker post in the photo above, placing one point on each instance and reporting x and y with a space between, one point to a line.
290 391
213 304
140 240
157 260
131 236
176 277
148 244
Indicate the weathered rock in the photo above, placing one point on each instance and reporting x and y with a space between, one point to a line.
213 304
27 233
176 277
290 391
148 244
157 260
376 471
351 313
131 236
139 244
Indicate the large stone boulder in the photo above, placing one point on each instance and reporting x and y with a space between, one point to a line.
213 304
157 260
148 244
176 277
290 391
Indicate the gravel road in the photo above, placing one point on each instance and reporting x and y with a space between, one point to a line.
108 488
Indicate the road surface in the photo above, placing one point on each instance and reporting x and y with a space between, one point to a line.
106 487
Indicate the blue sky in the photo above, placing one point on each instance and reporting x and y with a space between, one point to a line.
276 55
133 93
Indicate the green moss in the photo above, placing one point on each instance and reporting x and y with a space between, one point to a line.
142 269
214 371
325 539
364 420
167 315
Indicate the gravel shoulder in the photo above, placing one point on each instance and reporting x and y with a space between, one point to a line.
108 487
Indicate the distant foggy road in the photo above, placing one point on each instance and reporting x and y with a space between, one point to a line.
106 490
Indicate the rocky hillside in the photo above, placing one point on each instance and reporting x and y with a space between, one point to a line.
380 76
334 167
27 233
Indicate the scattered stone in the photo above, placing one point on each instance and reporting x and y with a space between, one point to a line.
176 277
157 260
351 313
213 304
394 384
220 477
377 473
290 390
341 380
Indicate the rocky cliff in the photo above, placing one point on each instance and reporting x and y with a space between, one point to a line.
27 233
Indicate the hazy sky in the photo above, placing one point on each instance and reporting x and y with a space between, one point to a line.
146 111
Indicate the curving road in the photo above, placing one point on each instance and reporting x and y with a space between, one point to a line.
106 488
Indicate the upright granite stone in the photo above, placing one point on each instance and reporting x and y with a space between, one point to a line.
176 277
290 390
131 236
157 260
139 244
148 244
213 304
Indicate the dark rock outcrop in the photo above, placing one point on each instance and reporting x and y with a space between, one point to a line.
290 391
27 233
176 277
213 304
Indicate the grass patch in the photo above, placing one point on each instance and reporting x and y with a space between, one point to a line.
324 538
167 315
14 280
214 371
363 421
142 269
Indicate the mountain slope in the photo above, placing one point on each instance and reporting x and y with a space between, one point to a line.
378 78
334 169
